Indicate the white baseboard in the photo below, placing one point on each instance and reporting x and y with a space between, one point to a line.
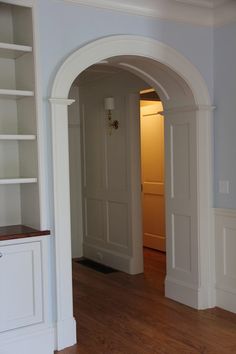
198 298
181 292
107 257
65 333
39 342
226 300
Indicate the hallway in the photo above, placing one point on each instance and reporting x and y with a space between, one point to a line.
122 314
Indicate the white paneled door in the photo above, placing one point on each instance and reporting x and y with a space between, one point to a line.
106 168
152 161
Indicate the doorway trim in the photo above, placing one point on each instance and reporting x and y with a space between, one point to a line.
75 64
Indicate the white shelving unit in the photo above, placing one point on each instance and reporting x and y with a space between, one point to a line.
19 191
24 327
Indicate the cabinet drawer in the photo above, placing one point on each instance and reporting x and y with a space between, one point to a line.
21 285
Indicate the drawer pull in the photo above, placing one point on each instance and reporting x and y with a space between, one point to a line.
1 254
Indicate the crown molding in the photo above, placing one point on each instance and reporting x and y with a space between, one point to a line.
226 14
196 12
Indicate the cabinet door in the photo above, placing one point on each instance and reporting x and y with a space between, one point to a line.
20 285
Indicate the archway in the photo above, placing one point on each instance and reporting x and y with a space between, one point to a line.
188 111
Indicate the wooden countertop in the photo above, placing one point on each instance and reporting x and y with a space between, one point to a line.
20 231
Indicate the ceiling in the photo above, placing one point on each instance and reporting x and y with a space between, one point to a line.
96 72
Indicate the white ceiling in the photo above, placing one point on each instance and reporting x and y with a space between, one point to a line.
96 72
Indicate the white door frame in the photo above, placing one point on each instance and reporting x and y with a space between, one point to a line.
75 64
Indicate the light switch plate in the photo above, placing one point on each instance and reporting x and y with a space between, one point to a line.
224 187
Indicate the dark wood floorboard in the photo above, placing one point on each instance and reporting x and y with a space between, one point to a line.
121 314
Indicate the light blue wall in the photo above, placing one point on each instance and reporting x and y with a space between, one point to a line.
225 114
66 26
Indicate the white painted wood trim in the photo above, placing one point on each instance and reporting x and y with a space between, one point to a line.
150 79
75 64
225 239
119 45
110 258
37 341
17 180
62 226
204 119
136 264
183 292
41 136
193 12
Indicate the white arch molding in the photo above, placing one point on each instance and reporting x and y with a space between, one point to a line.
200 294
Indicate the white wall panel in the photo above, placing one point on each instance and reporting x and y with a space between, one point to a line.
181 237
225 233
180 172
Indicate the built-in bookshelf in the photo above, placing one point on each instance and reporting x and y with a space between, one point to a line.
19 191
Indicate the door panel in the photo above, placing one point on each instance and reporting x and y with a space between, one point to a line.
152 157
181 195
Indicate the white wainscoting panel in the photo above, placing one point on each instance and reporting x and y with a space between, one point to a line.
181 238
225 233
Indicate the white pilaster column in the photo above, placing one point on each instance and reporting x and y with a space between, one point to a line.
65 322
204 119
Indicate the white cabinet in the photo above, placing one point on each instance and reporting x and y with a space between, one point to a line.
21 295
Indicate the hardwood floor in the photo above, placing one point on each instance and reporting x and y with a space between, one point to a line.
121 314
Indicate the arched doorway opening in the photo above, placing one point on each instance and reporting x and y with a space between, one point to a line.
188 113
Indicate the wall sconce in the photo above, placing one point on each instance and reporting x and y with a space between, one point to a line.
109 107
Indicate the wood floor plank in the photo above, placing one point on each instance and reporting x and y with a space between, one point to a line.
121 314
